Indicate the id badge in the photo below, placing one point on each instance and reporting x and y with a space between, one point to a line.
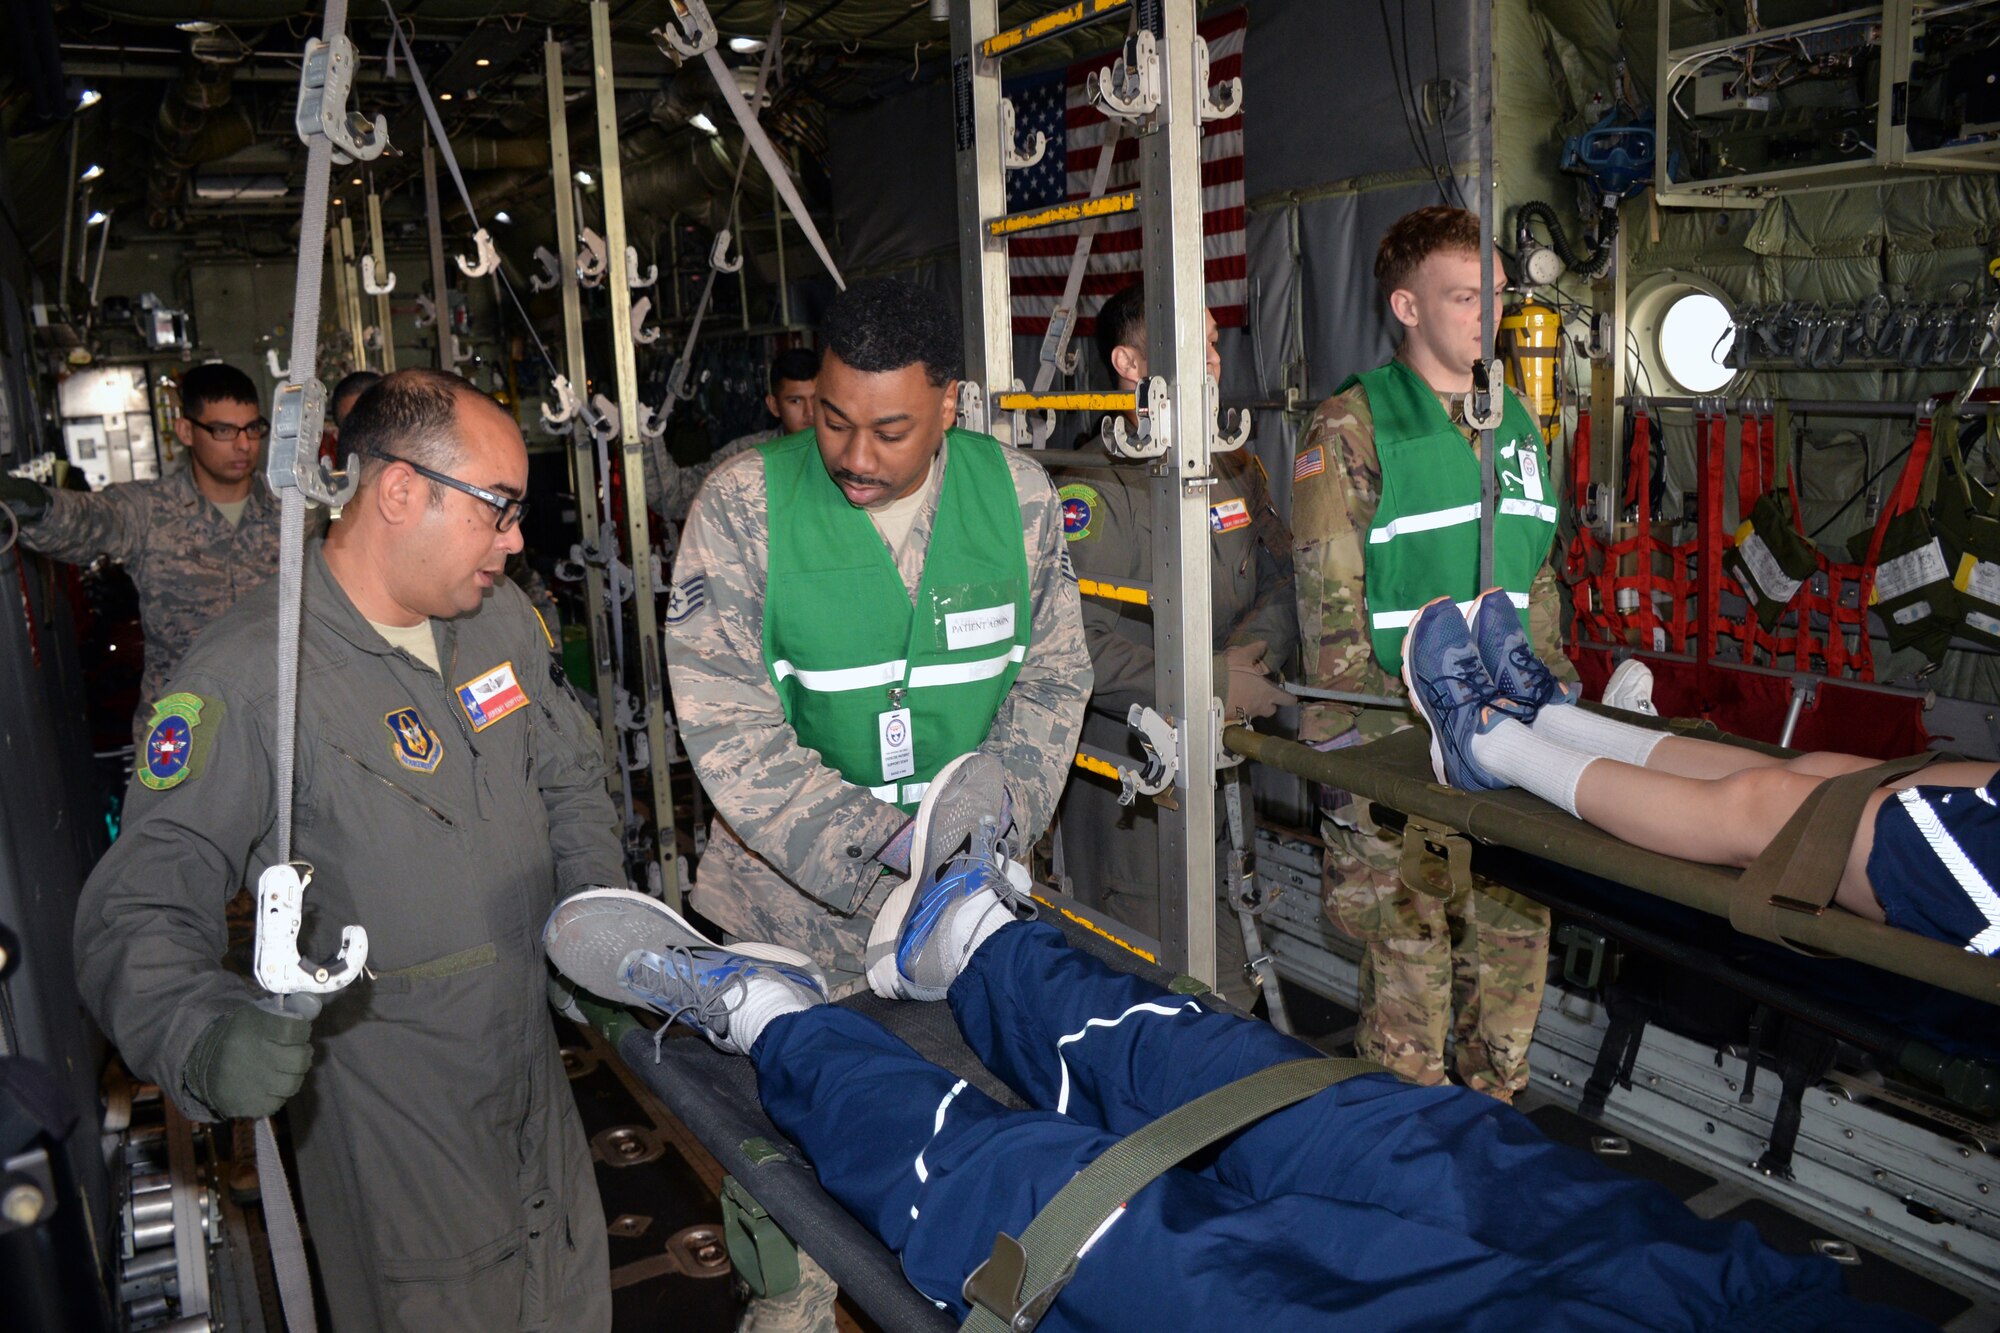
1531 473
899 755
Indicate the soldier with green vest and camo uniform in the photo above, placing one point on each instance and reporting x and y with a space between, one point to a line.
1385 517
855 606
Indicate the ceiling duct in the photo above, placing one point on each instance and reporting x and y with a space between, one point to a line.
181 136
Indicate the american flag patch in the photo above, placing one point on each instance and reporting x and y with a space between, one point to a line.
1309 464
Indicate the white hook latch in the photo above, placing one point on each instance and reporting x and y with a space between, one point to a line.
633 278
550 276
368 282
971 407
489 258
1130 89
652 424
324 82
1221 440
566 404
642 335
1012 155
275 962
1215 103
602 418
719 257
693 20
592 260
278 371
1155 429
427 312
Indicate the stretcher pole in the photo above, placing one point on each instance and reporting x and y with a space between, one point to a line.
582 451
637 529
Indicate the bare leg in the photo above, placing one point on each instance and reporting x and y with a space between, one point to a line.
1729 820
1688 757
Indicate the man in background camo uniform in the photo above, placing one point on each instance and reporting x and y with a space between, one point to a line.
882 567
194 541
1472 965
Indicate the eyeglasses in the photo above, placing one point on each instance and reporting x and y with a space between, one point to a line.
226 431
510 509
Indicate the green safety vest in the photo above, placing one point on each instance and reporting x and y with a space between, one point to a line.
843 643
1425 541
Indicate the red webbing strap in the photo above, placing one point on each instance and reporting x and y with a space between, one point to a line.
1749 469
1902 499
1645 617
1709 446
1586 567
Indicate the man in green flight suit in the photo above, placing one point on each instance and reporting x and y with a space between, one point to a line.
1385 515
1111 852
449 789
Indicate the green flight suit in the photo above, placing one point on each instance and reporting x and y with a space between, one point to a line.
443 1169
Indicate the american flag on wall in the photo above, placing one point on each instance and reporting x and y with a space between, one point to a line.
1054 103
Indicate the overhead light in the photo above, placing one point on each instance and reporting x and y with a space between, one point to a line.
701 122
218 188
444 97
482 62
355 181
91 173
197 26
97 218
744 46
585 179
88 98
501 217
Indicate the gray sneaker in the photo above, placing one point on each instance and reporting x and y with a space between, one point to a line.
713 989
590 933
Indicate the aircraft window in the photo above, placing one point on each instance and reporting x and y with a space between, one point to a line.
1695 335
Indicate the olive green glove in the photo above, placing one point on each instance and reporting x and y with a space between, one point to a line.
248 1062
26 498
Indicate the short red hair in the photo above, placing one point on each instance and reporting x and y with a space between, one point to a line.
1415 237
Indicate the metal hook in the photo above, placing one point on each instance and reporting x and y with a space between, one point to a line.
693 20
652 424
325 80
632 277
550 276
489 258
1219 102
278 372
427 313
368 282
602 417
719 257
567 405
642 335
1012 155
593 260
1130 89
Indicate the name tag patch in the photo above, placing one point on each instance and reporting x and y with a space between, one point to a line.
899 752
971 629
491 696
1229 515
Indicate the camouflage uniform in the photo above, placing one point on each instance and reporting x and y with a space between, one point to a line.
791 837
188 563
671 488
1483 953
1111 852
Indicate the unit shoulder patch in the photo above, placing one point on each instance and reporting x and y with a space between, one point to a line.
170 754
1079 507
412 742
491 695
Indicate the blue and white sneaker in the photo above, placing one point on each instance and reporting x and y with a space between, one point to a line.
727 994
1448 684
1525 683
958 863
590 934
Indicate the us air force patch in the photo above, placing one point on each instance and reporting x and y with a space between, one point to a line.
687 597
168 757
1079 506
415 746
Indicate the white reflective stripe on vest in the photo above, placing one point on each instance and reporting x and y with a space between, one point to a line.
1528 509
963 673
911 792
845 678
1436 518
1403 619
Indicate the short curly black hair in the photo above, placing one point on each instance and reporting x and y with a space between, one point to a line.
884 325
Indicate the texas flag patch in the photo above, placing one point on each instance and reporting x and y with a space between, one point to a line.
491 696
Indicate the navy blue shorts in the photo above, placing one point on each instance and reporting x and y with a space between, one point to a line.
1936 849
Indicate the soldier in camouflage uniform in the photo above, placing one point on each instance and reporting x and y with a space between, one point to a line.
194 541
799 853
671 488
1472 965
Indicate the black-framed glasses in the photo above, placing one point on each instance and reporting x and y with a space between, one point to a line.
509 507
226 431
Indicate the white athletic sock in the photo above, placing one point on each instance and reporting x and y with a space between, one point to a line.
1520 757
972 925
1594 734
764 998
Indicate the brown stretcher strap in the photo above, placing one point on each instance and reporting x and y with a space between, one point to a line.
1800 870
